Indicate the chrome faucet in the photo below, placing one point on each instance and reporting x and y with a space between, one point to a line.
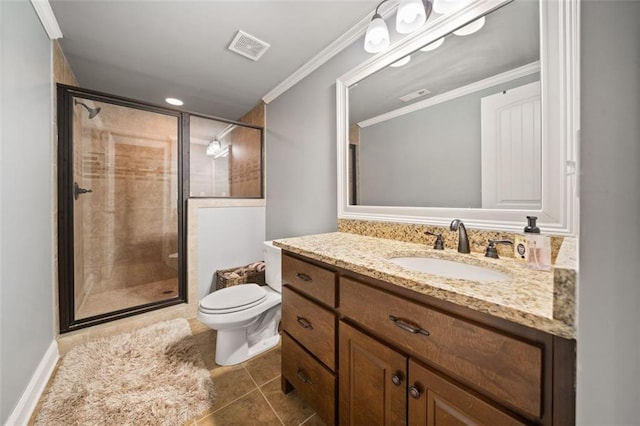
463 239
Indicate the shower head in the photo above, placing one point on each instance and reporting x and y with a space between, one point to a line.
92 111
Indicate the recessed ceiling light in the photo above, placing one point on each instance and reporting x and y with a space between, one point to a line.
401 62
174 101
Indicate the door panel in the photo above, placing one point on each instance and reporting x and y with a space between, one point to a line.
125 207
438 402
119 208
512 149
368 395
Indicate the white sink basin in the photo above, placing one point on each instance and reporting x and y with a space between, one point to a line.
450 269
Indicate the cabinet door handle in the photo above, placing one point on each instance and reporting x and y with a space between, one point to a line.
415 392
407 327
396 379
304 277
304 323
303 376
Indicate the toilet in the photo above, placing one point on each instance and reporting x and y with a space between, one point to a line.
246 316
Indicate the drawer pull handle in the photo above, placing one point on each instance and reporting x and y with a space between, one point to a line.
304 323
408 327
414 392
304 277
396 379
303 377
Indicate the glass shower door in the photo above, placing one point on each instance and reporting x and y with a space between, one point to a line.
125 198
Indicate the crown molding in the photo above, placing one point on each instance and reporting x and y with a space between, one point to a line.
455 93
48 19
337 46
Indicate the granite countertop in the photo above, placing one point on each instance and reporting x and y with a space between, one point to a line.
529 298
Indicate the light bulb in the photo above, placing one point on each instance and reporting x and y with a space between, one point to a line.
447 6
377 36
213 148
411 15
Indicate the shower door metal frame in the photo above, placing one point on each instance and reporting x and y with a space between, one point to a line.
65 96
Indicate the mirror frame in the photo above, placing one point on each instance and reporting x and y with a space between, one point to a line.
559 58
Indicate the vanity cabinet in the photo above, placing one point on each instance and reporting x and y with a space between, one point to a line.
377 383
393 356
504 367
309 334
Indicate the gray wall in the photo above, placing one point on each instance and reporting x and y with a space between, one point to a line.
609 288
26 311
427 158
301 152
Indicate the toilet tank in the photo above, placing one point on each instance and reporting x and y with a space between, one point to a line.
273 266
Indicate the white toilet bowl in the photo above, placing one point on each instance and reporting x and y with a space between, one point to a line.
246 316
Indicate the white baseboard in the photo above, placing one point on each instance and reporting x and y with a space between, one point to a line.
27 403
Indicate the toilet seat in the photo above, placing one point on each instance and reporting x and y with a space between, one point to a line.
233 299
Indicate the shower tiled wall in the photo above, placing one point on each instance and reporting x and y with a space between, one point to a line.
131 225
244 163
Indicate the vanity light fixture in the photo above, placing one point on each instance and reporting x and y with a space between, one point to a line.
224 152
411 15
433 46
401 62
446 6
470 28
214 147
174 101
377 37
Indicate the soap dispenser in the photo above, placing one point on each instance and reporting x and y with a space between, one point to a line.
532 248
520 243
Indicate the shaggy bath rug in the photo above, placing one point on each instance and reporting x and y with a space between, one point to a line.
153 376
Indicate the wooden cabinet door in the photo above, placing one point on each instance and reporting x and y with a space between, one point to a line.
434 401
372 381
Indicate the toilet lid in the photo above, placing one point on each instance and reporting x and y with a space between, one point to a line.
233 299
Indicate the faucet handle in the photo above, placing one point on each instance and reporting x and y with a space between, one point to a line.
492 251
439 244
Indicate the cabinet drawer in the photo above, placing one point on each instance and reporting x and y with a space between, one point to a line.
506 368
315 384
313 280
311 325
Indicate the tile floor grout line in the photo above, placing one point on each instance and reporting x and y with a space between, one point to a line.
307 419
263 395
227 404
271 406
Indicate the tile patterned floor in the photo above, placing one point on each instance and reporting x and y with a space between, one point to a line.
247 393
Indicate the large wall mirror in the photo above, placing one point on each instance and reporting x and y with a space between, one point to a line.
478 125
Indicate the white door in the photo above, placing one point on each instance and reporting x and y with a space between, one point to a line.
512 149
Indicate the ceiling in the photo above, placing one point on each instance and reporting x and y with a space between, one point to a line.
150 50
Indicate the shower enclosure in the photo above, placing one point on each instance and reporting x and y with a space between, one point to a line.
120 208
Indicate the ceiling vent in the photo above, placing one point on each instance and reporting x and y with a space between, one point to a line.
414 95
248 46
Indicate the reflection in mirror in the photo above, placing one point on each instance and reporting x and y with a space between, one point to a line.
225 159
459 125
